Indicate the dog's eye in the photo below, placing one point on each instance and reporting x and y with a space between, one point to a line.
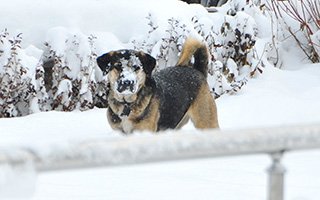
118 66
136 67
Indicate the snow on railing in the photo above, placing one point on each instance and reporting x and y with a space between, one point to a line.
179 145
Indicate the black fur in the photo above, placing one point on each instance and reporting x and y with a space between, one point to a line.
177 87
148 62
103 62
201 61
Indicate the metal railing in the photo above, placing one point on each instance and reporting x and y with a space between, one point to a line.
174 146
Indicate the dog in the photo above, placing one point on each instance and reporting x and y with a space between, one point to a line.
139 99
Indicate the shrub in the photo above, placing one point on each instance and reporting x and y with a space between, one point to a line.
16 90
71 81
298 20
66 77
233 58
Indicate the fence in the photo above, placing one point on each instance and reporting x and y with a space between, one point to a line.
175 146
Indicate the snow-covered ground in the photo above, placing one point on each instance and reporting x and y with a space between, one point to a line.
276 97
277 101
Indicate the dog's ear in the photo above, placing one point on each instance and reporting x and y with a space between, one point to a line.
104 62
148 62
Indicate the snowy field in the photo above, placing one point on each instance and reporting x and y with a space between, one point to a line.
229 178
276 97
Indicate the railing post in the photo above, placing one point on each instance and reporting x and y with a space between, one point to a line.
276 177
204 2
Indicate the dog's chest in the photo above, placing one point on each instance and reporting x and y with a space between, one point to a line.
126 125
119 116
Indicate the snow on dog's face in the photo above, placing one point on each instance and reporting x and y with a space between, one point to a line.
127 70
127 77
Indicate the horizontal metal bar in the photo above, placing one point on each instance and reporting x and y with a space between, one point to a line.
174 145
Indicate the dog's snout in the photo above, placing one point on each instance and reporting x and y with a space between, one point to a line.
125 85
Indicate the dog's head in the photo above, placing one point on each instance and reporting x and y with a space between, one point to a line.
127 70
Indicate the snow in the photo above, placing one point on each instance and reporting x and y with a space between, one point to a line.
221 178
285 96
20 178
277 102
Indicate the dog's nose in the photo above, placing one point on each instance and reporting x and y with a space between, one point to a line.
125 85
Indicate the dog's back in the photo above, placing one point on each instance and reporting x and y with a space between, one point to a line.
178 87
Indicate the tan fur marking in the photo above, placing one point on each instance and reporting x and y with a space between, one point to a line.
150 122
189 48
138 109
203 111
111 53
113 75
128 124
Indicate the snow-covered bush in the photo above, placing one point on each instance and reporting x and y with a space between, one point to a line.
66 76
64 79
16 90
147 43
171 44
40 88
299 22
233 57
167 48
69 68
232 48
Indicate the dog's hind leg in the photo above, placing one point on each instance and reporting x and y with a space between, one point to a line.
203 111
183 122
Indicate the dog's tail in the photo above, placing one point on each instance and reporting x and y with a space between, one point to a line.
193 47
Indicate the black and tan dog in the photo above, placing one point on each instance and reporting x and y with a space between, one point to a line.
141 100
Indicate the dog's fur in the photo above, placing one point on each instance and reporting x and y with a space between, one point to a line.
140 100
